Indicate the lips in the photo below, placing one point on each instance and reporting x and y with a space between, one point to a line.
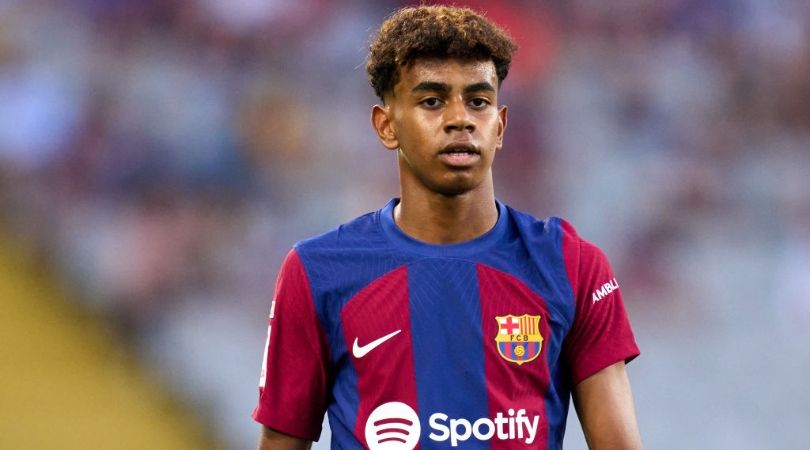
462 148
460 155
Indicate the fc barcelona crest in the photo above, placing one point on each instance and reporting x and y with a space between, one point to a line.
519 338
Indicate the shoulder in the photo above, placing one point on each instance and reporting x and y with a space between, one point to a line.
573 246
552 227
355 237
560 236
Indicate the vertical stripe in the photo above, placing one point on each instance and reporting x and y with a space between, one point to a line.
510 385
385 373
447 341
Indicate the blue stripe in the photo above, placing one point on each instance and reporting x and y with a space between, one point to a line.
557 396
343 410
447 341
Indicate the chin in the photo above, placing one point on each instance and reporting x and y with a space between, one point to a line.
455 188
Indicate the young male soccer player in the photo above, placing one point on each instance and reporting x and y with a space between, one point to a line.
446 318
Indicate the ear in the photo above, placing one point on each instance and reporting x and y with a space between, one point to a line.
382 122
501 125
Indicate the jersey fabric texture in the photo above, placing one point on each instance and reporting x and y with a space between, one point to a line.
413 345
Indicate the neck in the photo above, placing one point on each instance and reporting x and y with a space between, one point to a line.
440 219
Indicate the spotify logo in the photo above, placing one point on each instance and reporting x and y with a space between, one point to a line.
393 426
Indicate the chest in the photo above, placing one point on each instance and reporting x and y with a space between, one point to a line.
454 314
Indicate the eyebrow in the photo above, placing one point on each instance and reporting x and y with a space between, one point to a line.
478 87
431 86
444 87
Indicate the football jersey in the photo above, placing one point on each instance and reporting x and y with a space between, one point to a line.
412 345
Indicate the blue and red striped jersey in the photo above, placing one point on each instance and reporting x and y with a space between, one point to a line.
412 345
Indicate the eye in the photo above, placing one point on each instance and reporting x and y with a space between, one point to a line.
479 102
432 102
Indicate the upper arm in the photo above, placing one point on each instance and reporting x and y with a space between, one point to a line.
600 334
604 404
273 440
295 380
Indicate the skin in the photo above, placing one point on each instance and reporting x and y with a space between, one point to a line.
604 404
436 106
440 105
273 440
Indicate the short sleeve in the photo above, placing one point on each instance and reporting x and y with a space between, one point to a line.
293 385
601 334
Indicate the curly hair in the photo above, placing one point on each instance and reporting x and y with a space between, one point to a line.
434 32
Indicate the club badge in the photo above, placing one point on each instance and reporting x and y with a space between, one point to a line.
518 338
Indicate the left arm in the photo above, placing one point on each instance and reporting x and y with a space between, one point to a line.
604 404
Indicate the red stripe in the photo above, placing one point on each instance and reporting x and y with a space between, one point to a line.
293 398
386 373
511 385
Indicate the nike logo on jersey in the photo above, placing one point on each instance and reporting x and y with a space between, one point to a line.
361 351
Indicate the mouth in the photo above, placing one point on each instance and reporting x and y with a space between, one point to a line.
460 149
460 155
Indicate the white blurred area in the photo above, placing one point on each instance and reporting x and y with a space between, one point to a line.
163 156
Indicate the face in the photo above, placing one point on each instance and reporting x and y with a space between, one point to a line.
444 121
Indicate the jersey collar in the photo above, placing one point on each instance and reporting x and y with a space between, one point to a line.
404 242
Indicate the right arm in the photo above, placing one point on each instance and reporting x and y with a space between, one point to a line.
295 380
273 440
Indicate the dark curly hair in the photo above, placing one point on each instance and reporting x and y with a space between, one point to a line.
434 32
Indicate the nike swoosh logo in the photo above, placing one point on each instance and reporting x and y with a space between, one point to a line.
360 352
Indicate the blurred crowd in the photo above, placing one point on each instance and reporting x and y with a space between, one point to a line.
163 155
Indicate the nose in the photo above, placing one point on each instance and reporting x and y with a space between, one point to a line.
457 117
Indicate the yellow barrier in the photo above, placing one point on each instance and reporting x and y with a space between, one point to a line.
63 382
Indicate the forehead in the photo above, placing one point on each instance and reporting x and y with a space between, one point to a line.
451 71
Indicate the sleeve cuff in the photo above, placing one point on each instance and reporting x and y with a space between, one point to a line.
591 365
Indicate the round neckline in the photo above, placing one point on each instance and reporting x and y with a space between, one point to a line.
404 241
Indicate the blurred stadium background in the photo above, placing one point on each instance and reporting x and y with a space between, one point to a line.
159 157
